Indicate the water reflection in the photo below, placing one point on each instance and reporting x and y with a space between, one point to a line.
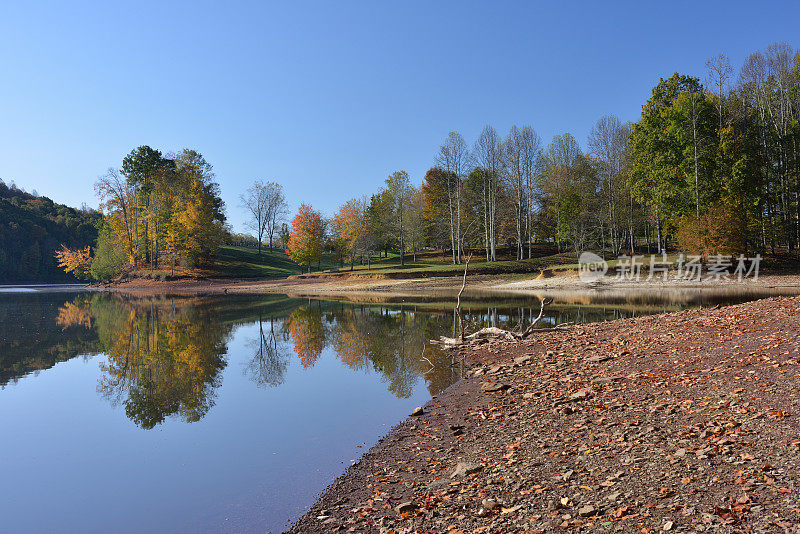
270 358
165 356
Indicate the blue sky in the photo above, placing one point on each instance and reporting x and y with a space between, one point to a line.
328 98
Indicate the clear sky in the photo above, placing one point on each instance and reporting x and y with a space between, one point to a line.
328 98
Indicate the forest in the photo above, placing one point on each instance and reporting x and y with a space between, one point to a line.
32 227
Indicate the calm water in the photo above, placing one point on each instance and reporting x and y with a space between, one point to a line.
225 413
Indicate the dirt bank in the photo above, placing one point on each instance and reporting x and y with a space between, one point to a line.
440 286
678 422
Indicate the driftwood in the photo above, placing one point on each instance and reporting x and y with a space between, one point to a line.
496 334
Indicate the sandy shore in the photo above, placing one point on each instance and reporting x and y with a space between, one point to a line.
678 422
442 286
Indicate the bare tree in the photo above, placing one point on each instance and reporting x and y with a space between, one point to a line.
488 155
256 201
520 151
277 210
719 72
266 208
453 159
608 143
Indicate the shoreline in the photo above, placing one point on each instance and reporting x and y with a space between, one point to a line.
439 286
680 421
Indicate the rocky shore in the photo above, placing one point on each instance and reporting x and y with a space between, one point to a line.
684 422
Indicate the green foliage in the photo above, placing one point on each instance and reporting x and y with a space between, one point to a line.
32 228
108 261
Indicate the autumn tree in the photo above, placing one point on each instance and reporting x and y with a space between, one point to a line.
77 262
306 238
351 224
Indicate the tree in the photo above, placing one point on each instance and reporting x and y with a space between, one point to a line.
277 209
256 201
352 227
666 150
77 262
718 73
436 213
520 152
306 238
488 155
453 159
608 143
399 191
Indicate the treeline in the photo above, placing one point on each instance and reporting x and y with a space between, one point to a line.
709 168
32 227
160 211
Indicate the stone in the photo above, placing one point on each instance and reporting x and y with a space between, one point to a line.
489 504
581 394
405 507
598 359
417 411
522 359
491 387
465 468
587 511
668 526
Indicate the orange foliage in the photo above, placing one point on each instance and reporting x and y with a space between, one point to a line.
78 262
308 335
76 313
352 225
305 241
718 231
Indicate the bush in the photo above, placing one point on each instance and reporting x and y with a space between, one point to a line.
720 230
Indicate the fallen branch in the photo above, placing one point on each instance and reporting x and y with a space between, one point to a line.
494 333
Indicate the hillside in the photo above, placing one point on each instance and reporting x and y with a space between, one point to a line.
32 228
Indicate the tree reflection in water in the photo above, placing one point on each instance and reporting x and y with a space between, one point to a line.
166 356
270 356
164 359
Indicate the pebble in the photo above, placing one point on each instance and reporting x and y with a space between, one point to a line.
465 468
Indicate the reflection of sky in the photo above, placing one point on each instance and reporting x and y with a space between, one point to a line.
253 461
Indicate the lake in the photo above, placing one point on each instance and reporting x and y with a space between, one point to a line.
224 413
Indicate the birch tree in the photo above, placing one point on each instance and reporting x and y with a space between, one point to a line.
488 155
453 159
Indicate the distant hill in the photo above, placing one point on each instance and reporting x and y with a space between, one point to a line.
32 228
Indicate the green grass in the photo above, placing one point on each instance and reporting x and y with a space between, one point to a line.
438 265
244 262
